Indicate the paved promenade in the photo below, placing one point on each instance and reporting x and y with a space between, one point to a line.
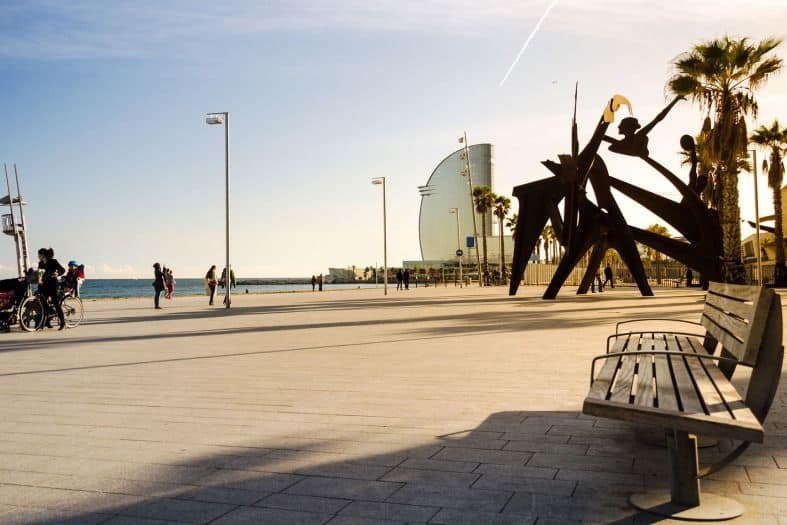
440 406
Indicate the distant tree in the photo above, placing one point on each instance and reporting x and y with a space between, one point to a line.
652 254
501 209
774 139
722 75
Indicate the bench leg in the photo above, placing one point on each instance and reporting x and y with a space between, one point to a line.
683 501
684 484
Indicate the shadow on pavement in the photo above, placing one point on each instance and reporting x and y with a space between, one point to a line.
514 467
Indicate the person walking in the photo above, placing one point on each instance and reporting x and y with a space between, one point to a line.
596 278
399 279
158 285
608 276
406 277
52 270
689 277
210 283
314 282
321 281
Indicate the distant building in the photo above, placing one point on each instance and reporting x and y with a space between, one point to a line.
447 188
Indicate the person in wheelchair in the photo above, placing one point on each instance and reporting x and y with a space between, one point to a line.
74 277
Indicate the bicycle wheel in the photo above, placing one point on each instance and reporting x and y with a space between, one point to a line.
31 314
72 310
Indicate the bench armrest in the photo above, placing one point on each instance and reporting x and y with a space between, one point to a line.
665 332
621 323
657 352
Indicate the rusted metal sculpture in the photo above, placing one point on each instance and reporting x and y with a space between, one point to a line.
596 226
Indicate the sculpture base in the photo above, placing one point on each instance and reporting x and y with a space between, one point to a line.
712 508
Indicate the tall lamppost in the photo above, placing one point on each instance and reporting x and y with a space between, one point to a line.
380 181
466 171
757 218
218 119
458 243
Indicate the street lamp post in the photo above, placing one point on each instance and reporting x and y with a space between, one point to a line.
380 181
757 218
463 140
218 119
458 243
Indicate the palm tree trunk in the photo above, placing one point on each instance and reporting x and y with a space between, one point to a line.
502 255
483 240
730 218
779 226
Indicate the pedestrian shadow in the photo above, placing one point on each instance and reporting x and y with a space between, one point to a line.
512 467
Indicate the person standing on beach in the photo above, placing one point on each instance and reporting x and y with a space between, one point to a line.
406 277
399 279
158 285
314 282
210 283
169 282
52 270
321 281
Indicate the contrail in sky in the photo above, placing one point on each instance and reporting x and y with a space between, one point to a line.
527 42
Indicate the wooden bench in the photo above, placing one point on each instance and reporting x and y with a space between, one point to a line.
680 381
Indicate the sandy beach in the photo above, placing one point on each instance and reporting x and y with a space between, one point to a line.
441 405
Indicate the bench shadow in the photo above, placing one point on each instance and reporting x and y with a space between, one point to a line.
513 467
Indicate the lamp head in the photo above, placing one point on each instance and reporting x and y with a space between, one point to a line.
377 182
214 119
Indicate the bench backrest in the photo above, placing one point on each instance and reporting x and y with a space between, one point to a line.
736 316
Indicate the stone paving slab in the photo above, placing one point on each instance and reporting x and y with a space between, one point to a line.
439 406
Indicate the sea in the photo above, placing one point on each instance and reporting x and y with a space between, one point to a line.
120 288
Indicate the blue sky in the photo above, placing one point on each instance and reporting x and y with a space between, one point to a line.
103 111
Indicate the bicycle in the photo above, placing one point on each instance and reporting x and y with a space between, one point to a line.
35 311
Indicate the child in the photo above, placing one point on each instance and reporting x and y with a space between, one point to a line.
169 282
74 277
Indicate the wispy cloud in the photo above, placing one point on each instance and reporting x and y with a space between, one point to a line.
95 28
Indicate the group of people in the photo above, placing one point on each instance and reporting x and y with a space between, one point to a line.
403 279
318 281
163 281
49 273
211 282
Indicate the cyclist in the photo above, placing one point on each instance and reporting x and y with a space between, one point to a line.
51 270
74 277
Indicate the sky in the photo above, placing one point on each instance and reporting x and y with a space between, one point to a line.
103 107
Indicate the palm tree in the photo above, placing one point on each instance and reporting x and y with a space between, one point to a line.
652 254
484 200
722 75
511 223
774 139
502 207
547 233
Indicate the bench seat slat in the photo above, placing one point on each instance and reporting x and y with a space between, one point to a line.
624 380
693 423
644 387
684 385
730 395
706 385
603 381
665 387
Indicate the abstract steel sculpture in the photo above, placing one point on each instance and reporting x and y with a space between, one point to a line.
596 226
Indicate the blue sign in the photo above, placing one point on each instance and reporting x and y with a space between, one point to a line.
459 253
470 241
